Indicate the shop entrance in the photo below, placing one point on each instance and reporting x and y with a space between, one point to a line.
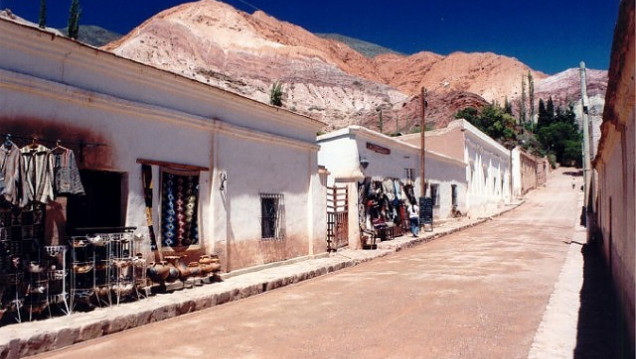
337 218
102 206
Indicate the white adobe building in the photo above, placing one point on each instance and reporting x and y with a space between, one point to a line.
486 162
253 167
356 155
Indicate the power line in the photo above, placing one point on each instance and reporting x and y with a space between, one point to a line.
250 5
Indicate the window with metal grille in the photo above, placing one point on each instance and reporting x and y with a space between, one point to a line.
272 216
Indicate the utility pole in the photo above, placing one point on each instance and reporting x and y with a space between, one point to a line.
423 146
586 140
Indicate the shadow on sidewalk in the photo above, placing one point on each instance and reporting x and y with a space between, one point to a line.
601 329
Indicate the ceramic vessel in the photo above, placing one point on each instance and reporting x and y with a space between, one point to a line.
195 269
158 271
177 262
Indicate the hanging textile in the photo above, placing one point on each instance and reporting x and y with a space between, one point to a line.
146 178
37 174
179 197
10 172
65 172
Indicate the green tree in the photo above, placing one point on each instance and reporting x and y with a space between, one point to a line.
42 17
561 136
276 94
73 19
544 118
469 114
522 102
380 121
493 121
531 98
508 106
550 108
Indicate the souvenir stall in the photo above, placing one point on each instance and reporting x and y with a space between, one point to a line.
33 271
40 277
382 207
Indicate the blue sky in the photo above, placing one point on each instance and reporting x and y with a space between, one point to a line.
547 35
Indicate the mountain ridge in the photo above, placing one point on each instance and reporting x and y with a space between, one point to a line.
322 77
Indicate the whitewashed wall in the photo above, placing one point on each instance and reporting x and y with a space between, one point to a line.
488 172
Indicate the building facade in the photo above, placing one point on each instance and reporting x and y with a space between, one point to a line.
370 163
528 172
216 173
615 167
487 164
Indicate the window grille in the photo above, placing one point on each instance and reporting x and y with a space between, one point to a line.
272 216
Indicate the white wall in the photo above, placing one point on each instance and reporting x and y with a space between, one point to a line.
488 172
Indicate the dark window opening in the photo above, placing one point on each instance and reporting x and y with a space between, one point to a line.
101 206
454 194
435 194
272 216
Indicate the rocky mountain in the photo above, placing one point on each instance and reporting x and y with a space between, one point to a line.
323 77
94 35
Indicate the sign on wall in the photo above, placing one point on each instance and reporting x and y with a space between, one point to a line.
378 149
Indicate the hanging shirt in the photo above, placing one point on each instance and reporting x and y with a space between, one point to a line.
66 177
37 174
10 172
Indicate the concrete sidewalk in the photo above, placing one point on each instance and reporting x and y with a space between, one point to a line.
30 338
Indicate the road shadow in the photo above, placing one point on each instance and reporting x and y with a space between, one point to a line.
602 332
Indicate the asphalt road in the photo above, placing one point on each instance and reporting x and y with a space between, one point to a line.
478 293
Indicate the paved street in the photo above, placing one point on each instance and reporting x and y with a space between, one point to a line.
478 293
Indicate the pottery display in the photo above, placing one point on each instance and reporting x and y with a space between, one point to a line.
179 264
158 271
97 240
195 269
210 263
82 268
35 267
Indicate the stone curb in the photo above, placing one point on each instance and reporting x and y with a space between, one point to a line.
30 338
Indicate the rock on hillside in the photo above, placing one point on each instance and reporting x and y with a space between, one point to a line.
217 44
323 78
491 76
565 89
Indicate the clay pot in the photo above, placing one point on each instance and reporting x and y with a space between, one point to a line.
139 262
82 268
177 262
102 291
210 263
35 267
158 271
123 290
195 269
205 259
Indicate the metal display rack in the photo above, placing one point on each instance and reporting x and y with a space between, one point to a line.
104 270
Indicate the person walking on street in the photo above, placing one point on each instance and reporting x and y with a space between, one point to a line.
414 219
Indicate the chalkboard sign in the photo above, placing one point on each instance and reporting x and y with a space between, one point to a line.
426 210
